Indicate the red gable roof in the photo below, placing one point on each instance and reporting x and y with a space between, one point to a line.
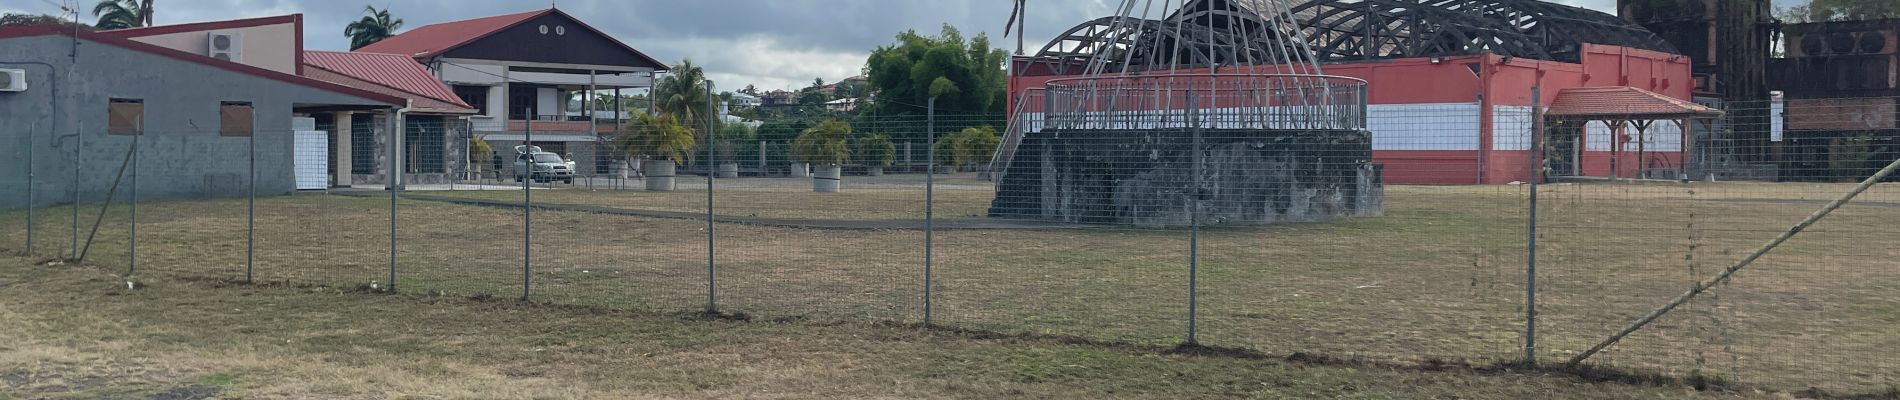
432 40
110 40
392 70
1623 102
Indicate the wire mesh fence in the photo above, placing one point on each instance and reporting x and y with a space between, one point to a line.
1378 243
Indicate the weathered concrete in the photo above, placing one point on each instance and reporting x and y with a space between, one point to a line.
1146 177
181 154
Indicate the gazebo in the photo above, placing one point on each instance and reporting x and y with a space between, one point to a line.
1617 106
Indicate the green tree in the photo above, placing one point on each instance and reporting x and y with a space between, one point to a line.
12 19
1840 10
966 75
122 14
875 150
827 143
375 26
681 94
968 146
660 137
730 139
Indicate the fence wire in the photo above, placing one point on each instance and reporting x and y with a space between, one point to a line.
1408 241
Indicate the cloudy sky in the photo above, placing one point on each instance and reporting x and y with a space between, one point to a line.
774 44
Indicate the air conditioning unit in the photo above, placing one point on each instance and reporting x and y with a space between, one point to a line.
12 80
225 45
1844 43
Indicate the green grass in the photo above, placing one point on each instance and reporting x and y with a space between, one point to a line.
75 332
1439 277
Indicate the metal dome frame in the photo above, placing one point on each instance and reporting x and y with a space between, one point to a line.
1343 30
1338 30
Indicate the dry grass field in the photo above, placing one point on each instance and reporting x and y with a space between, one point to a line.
1439 278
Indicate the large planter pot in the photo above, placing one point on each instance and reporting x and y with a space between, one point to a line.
728 170
621 170
659 174
873 171
801 170
828 179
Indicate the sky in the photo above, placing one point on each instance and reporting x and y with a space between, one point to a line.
773 44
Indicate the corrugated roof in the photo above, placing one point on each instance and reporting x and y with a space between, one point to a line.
1623 102
391 70
433 39
416 103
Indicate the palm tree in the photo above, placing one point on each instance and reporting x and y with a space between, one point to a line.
121 14
682 94
375 26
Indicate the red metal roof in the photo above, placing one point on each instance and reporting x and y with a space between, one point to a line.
391 70
1623 102
434 39
416 103
48 30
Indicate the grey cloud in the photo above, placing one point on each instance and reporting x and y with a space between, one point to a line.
769 43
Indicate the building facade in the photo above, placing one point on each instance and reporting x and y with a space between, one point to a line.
96 103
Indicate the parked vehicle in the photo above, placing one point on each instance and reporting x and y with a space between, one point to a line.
532 163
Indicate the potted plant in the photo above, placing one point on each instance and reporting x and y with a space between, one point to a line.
663 142
725 147
778 136
479 154
977 148
826 145
875 151
963 149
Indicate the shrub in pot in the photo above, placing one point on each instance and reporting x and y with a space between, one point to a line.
726 143
828 146
875 151
665 144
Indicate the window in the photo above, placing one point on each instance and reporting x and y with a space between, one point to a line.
424 142
363 152
125 117
475 96
234 119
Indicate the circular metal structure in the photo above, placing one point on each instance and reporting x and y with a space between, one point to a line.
1341 30
1212 101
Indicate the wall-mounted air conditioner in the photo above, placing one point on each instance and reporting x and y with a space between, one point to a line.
12 80
225 45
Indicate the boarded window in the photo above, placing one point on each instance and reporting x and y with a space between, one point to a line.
125 117
235 119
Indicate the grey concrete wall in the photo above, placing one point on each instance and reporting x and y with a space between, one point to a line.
181 154
1147 177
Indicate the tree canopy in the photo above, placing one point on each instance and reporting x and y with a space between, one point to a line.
12 19
1840 10
966 75
122 14
682 95
375 26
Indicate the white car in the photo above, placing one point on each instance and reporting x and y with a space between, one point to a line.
532 163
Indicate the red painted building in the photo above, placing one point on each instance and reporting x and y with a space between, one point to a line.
1467 118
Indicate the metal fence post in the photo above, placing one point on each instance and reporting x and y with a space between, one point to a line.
1194 219
29 186
930 197
762 169
1530 236
132 242
389 180
527 208
250 216
712 112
